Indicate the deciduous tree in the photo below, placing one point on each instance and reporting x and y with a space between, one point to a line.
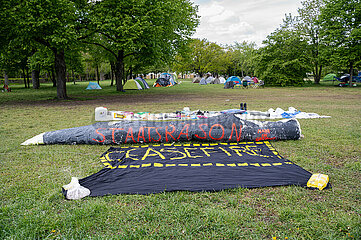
310 30
150 30
341 31
283 60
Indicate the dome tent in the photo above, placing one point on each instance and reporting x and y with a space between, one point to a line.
165 80
93 86
233 79
133 84
142 82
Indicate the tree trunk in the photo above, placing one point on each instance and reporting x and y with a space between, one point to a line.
112 73
97 73
119 71
317 74
60 73
72 75
6 79
35 78
53 78
24 76
351 74
130 76
27 77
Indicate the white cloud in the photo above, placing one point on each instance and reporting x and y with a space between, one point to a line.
228 21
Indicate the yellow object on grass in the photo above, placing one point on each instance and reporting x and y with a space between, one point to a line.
318 180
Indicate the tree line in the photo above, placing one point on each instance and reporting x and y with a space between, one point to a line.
324 37
124 37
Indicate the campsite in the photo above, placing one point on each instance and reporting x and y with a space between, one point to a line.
33 205
180 119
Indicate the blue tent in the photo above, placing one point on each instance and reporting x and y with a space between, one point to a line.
234 79
93 86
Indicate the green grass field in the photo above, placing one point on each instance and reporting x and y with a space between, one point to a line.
32 205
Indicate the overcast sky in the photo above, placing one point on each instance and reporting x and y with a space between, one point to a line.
227 21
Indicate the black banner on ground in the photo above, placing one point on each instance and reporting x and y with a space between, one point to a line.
223 128
192 167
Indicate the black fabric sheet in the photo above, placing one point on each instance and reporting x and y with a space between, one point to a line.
223 128
192 167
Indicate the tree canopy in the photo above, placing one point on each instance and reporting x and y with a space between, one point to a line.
134 36
341 31
150 31
147 30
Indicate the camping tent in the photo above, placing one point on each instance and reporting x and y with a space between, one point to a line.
330 77
93 86
215 81
196 80
209 79
248 79
132 84
203 81
222 80
165 80
162 82
172 78
142 82
234 79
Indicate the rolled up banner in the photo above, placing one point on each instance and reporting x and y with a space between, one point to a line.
223 128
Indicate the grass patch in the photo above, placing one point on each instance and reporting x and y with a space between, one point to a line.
32 205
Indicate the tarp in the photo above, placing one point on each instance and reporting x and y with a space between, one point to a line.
191 167
223 128
93 86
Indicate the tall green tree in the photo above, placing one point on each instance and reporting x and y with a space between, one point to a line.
54 24
202 56
310 30
243 56
283 60
341 31
150 30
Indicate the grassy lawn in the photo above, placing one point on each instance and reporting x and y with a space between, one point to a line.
32 205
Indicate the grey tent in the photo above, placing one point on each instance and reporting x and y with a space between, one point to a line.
247 78
203 81
216 81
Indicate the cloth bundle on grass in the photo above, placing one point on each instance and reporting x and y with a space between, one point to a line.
191 167
223 128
